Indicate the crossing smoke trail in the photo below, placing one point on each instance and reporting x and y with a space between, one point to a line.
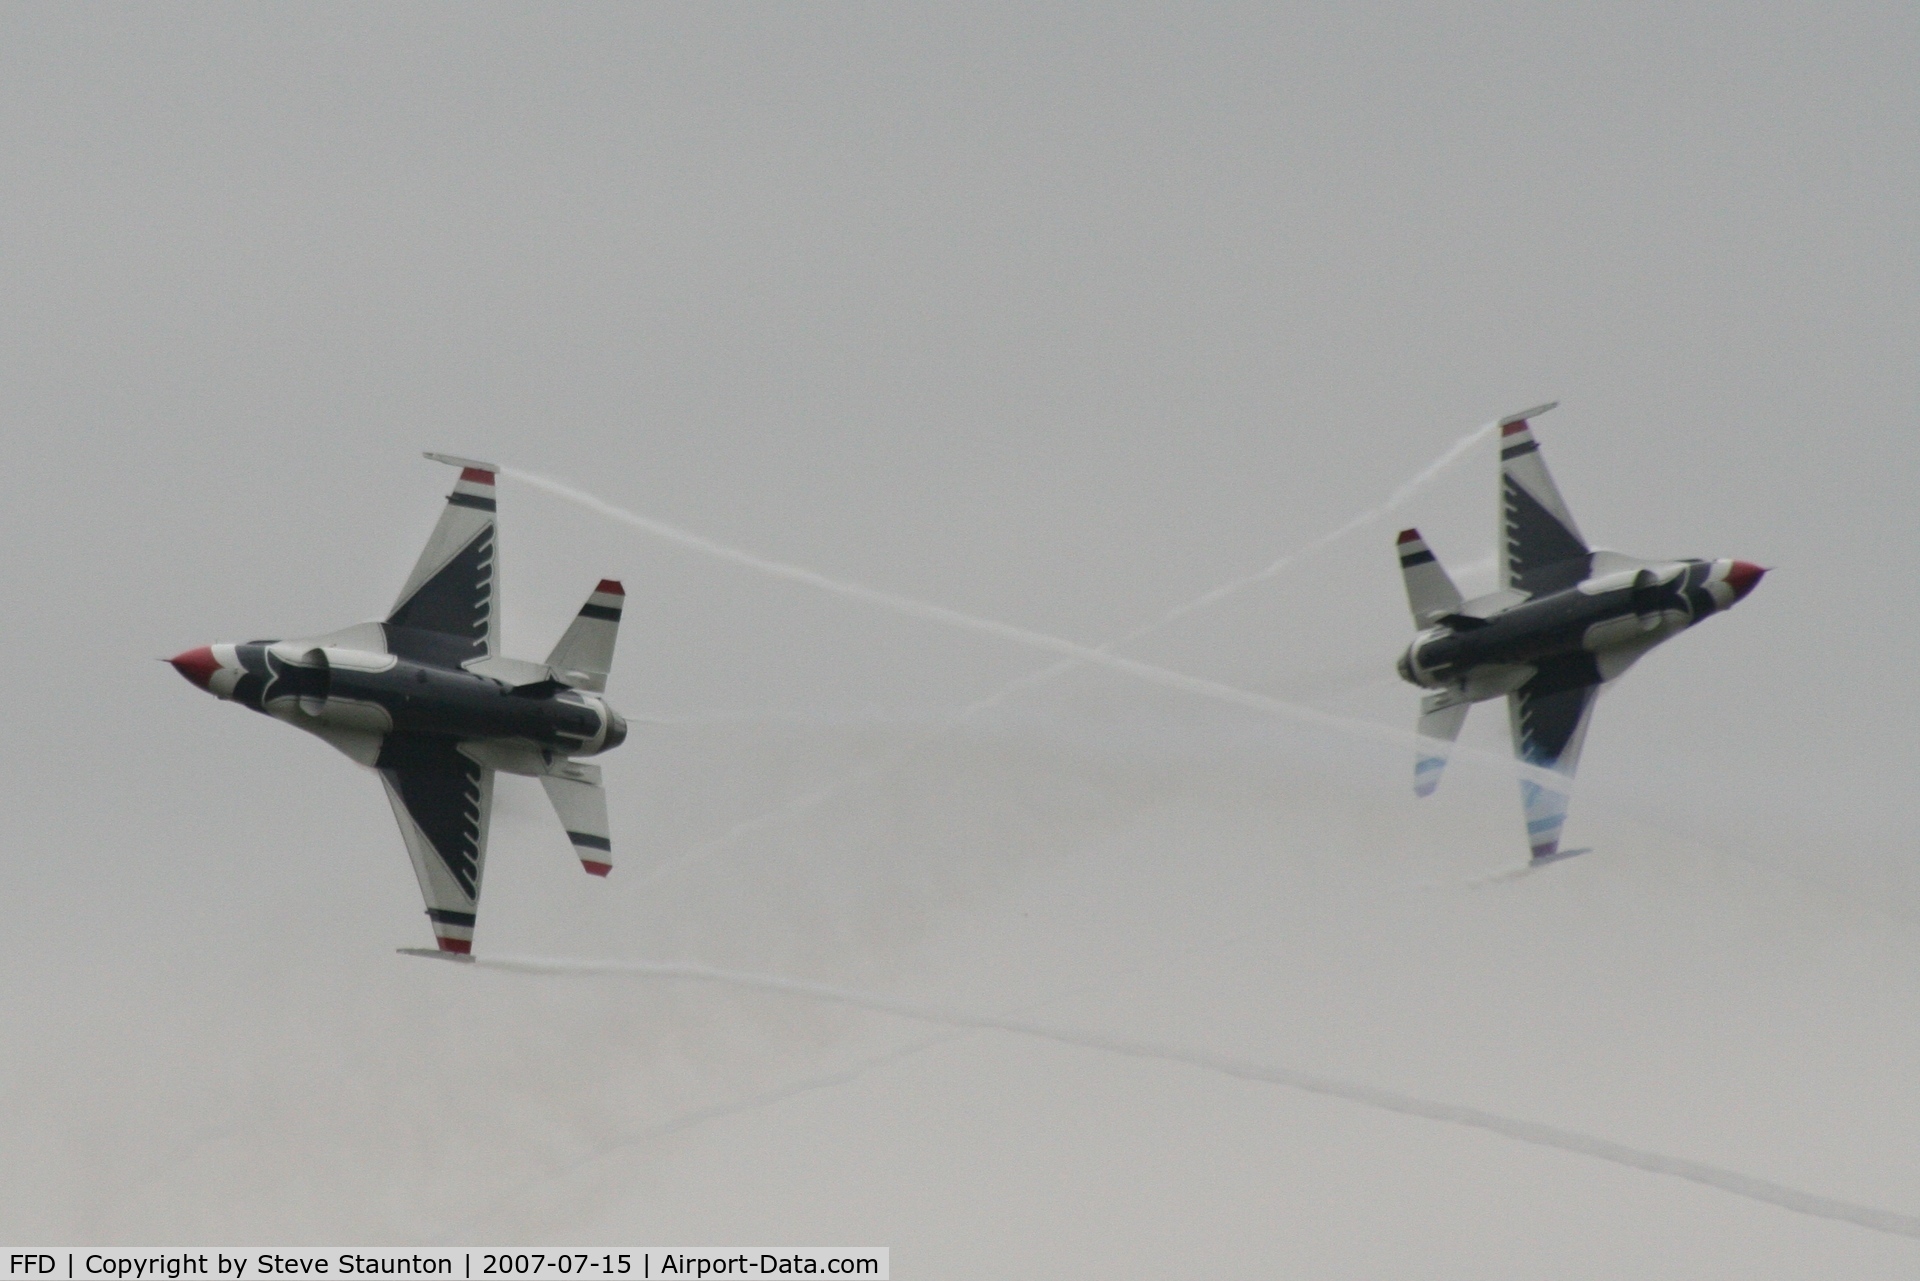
827 791
1530 1132
466 1229
1101 656
734 1107
1397 499
1032 680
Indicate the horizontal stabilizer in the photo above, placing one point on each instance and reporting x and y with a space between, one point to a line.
581 802
1430 592
584 656
1441 716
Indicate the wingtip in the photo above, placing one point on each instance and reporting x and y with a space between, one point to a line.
1514 420
596 869
1540 860
435 954
454 460
611 586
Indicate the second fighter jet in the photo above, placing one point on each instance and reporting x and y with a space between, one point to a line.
1566 620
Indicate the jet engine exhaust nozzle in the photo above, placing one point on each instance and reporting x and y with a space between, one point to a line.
197 665
616 735
1743 576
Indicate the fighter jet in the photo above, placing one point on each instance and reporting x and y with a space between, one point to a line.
1566 621
425 698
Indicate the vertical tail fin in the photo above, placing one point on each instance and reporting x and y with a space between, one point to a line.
584 656
1441 716
1430 592
581 802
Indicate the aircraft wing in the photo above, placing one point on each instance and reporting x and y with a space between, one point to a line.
442 801
1549 716
448 612
1540 548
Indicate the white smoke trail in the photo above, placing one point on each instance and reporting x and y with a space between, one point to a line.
1033 680
899 604
790 1089
1100 655
465 1228
1397 499
1531 1132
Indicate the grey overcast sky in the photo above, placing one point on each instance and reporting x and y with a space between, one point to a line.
1059 316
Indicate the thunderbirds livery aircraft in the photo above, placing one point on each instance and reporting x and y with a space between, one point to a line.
1566 620
426 699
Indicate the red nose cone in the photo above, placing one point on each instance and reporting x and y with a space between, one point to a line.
1743 576
197 665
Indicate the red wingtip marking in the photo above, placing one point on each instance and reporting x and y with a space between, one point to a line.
475 475
1514 429
597 869
197 665
1409 536
1547 850
611 586
454 945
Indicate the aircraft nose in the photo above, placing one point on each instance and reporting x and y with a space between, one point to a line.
197 665
1743 576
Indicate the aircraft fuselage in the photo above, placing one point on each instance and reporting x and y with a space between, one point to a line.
1602 623
372 693
426 699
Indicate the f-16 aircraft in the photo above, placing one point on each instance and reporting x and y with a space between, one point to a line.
1567 620
426 699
